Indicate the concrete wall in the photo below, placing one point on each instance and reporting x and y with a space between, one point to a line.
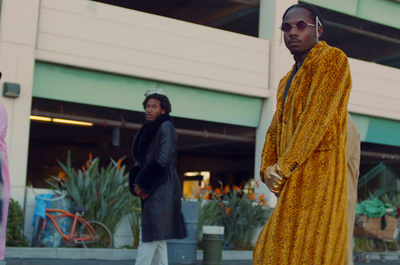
17 56
281 61
117 40
376 90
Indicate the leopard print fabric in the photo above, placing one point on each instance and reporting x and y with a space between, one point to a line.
309 224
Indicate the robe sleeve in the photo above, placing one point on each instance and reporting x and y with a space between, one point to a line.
269 152
329 91
168 143
156 171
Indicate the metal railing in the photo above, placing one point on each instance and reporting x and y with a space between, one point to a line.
376 171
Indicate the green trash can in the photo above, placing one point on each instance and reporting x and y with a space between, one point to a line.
213 239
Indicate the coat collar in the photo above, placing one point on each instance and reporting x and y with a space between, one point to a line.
313 53
145 136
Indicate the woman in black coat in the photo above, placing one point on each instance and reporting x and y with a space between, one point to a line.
154 177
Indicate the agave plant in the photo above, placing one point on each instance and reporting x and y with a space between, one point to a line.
135 221
102 191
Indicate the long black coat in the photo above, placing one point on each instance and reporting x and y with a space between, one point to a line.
155 152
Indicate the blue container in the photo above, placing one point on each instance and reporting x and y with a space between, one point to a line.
183 251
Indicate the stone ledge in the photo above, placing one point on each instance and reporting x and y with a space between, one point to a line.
101 254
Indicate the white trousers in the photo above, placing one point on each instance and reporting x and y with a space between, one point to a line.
152 253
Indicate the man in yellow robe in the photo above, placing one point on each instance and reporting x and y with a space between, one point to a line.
304 155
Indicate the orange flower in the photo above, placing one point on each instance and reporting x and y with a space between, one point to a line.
236 188
261 197
61 176
218 191
226 188
257 184
83 168
208 187
227 210
252 196
119 163
264 203
89 162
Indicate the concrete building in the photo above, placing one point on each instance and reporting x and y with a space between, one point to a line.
219 62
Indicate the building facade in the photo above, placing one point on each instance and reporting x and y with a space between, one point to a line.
91 61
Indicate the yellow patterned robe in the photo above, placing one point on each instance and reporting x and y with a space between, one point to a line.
309 224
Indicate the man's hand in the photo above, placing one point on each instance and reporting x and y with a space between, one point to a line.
275 182
140 193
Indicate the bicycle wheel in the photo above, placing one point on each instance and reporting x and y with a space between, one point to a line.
102 237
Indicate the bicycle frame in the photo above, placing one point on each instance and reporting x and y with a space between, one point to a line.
71 236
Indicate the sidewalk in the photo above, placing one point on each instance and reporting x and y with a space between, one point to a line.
96 262
69 256
81 256
131 262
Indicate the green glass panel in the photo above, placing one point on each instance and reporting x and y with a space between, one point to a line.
348 7
384 131
385 12
378 130
110 90
362 123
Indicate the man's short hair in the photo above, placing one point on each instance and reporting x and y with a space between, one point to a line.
164 101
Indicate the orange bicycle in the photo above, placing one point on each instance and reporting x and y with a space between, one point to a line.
77 231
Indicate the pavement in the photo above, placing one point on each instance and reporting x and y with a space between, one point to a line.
74 256
82 256
97 262
132 262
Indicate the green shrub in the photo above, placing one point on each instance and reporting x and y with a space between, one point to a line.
15 226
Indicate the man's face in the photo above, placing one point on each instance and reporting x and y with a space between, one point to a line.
299 42
153 109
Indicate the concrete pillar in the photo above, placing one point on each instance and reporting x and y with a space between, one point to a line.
18 32
271 12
